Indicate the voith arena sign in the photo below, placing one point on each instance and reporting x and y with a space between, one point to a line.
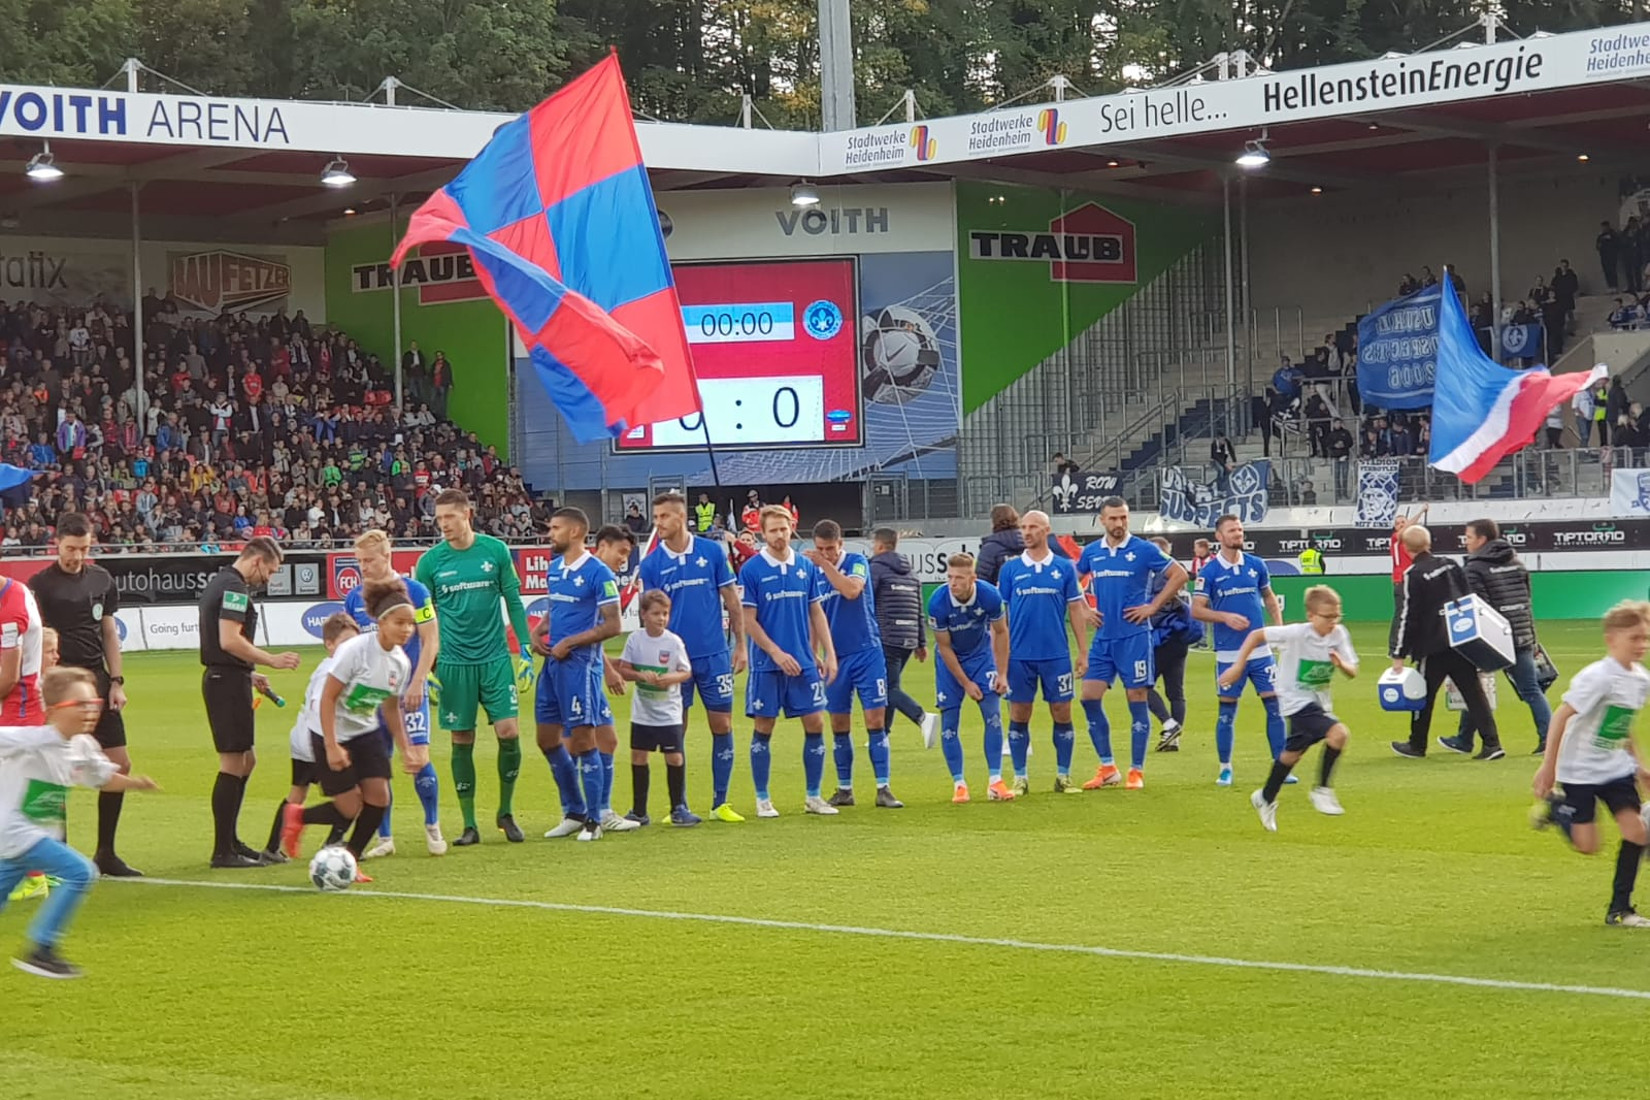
1090 244
220 281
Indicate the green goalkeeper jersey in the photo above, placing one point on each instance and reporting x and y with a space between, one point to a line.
466 586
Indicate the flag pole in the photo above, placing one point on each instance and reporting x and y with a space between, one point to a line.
710 448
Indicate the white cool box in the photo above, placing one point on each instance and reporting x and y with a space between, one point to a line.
1476 631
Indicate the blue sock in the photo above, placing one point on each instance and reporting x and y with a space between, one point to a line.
566 774
993 740
384 825
607 782
429 793
951 743
842 747
1019 742
1274 727
878 752
590 779
721 767
1064 742
761 763
813 761
1140 731
1099 728
1225 727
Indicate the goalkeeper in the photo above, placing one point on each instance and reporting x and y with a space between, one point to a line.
467 575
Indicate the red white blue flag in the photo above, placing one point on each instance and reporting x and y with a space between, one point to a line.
559 218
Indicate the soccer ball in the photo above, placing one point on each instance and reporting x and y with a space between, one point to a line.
900 355
332 869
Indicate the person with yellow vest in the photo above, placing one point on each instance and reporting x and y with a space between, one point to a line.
1311 561
704 514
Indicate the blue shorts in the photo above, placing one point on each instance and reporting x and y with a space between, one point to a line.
713 678
866 673
1127 659
570 695
980 667
416 721
769 693
1052 675
1262 672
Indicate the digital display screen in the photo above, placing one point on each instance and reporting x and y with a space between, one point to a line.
775 348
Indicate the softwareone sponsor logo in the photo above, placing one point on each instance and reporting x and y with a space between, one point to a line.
1611 54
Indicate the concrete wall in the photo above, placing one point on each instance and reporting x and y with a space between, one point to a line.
1333 254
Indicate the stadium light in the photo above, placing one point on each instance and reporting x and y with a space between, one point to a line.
1254 155
804 194
42 167
337 173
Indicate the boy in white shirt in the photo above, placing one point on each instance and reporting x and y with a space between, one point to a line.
656 661
335 631
37 766
1590 753
1308 655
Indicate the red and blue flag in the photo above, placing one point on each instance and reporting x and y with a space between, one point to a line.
558 215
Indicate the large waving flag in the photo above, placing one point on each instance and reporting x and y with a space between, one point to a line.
1481 411
559 218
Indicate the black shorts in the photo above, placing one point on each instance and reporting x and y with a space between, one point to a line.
367 760
655 738
1308 726
1581 799
111 727
304 773
228 696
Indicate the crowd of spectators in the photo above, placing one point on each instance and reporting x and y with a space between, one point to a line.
237 426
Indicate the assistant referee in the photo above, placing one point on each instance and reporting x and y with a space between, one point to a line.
78 599
228 623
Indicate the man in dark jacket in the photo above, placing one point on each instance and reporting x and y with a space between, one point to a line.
897 595
1495 574
1005 542
1429 584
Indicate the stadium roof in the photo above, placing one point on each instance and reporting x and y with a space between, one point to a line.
251 168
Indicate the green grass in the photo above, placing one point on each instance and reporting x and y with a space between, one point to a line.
204 993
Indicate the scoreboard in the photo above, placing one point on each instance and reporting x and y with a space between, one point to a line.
775 348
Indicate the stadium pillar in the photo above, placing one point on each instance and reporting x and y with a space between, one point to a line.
1243 282
1495 258
142 411
1231 340
395 297
836 66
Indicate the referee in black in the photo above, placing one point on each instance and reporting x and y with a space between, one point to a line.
228 623
78 599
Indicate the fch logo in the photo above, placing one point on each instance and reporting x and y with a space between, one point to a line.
925 146
1054 131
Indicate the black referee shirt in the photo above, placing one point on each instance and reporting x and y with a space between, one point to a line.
227 596
75 605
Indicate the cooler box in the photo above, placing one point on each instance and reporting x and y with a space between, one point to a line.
1402 690
1479 633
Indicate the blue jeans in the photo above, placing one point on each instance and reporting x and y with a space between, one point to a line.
1524 682
62 862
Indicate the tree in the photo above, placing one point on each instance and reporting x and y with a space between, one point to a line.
78 43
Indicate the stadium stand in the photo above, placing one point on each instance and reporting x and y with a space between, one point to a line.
240 426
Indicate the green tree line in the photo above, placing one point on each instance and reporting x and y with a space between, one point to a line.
692 60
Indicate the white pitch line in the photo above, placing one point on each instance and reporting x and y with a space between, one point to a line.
1505 984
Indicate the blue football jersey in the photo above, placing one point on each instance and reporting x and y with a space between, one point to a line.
1037 594
783 594
969 624
694 583
853 622
355 606
1234 587
1122 578
577 596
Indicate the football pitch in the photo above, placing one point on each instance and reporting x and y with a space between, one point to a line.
1131 944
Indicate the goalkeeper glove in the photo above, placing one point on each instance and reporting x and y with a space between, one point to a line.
432 688
524 670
